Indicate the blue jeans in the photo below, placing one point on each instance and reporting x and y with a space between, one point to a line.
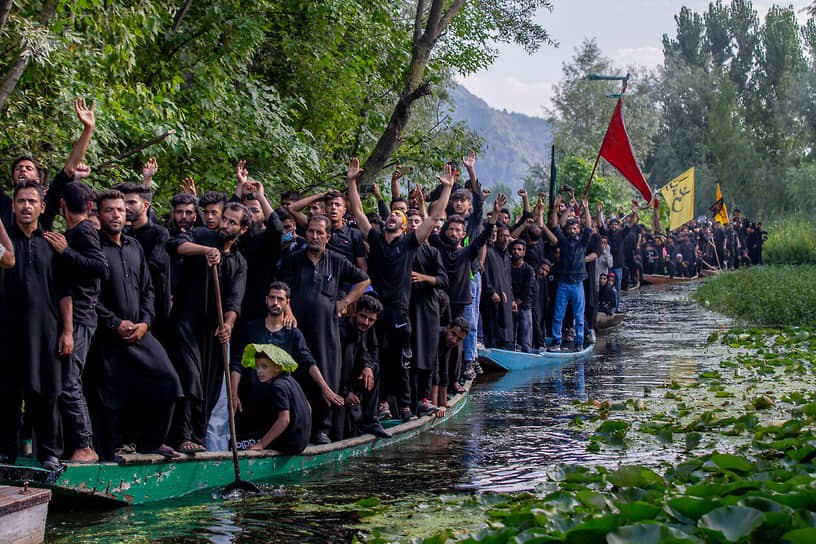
618 277
472 315
574 293
523 327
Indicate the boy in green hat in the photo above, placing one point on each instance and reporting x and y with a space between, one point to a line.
269 392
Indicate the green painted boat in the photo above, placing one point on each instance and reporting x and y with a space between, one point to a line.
140 479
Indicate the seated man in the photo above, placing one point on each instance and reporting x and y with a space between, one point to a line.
271 394
360 374
606 295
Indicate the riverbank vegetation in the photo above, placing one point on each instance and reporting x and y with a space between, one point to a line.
729 458
791 240
763 295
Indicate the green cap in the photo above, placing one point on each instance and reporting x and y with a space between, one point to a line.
277 355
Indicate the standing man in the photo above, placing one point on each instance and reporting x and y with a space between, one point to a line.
134 374
194 319
497 294
212 205
36 329
345 240
391 260
523 280
87 266
315 274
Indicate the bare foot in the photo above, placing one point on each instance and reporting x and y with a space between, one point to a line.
84 455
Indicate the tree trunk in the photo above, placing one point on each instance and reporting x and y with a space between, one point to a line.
5 9
20 65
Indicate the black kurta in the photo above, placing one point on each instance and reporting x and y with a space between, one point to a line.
88 266
497 317
458 264
425 310
30 320
153 239
129 373
194 318
261 251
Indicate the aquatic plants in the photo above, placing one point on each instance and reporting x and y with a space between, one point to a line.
769 296
733 461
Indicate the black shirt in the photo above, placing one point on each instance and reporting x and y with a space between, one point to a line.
263 402
289 340
390 267
523 278
87 265
347 242
153 239
261 250
457 262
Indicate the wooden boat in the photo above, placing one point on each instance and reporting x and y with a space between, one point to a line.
707 272
659 279
606 321
502 360
140 478
22 514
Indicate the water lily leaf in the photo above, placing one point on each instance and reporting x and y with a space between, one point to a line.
732 462
690 509
535 535
800 536
637 511
368 502
635 476
693 440
801 454
591 499
647 533
592 530
733 522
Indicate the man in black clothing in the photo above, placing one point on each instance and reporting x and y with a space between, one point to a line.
153 239
26 168
36 329
87 266
183 217
593 251
390 263
360 379
344 240
616 235
197 354
497 293
134 373
6 248
523 279
450 338
315 275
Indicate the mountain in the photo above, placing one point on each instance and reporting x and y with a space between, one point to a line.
512 140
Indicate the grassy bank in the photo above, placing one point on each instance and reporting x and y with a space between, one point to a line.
766 296
791 240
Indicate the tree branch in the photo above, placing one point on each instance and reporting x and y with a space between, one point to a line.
448 16
5 9
420 11
180 15
135 150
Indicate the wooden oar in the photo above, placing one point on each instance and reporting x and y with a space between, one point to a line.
238 483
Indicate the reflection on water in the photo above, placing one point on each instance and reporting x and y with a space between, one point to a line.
513 431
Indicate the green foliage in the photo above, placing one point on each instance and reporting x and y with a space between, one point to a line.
764 295
791 240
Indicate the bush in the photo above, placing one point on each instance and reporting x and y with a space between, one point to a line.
791 240
764 295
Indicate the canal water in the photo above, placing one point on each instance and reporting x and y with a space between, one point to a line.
515 430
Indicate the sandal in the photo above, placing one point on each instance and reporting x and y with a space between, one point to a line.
191 447
165 451
125 449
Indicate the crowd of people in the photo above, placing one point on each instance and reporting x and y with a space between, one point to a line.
332 319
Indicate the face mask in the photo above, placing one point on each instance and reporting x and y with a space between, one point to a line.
288 237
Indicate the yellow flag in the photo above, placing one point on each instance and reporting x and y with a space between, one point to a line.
720 211
678 195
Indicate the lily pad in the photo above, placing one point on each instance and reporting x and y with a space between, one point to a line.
733 522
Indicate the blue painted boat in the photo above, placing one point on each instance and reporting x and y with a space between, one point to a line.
502 360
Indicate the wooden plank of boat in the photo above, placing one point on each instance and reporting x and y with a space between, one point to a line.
606 321
22 514
140 478
659 279
502 360
707 272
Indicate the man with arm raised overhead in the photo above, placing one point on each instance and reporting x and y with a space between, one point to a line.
390 264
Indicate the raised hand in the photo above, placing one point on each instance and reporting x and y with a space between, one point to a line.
241 172
397 174
446 178
353 172
470 159
585 203
377 193
149 170
499 203
86 115
81 171
485 194
600 207
420 196
522 193
187 185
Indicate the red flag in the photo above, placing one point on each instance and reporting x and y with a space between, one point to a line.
618 151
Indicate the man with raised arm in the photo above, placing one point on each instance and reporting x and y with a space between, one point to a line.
315 275
36 329
26 168
391 259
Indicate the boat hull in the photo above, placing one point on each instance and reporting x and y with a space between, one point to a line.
658 279
140 479
605 321
501 360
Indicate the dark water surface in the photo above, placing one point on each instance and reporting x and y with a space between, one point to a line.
513 431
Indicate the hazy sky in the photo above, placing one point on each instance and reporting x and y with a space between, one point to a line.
627 31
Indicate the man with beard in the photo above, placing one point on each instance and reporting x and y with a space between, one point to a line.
523 282
133 374
87 266
428 277
272 330
26 168
572 242
497 293
360 381
450 338
36 329
260 245
153 239
212 205
197 353
391 259
315 276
